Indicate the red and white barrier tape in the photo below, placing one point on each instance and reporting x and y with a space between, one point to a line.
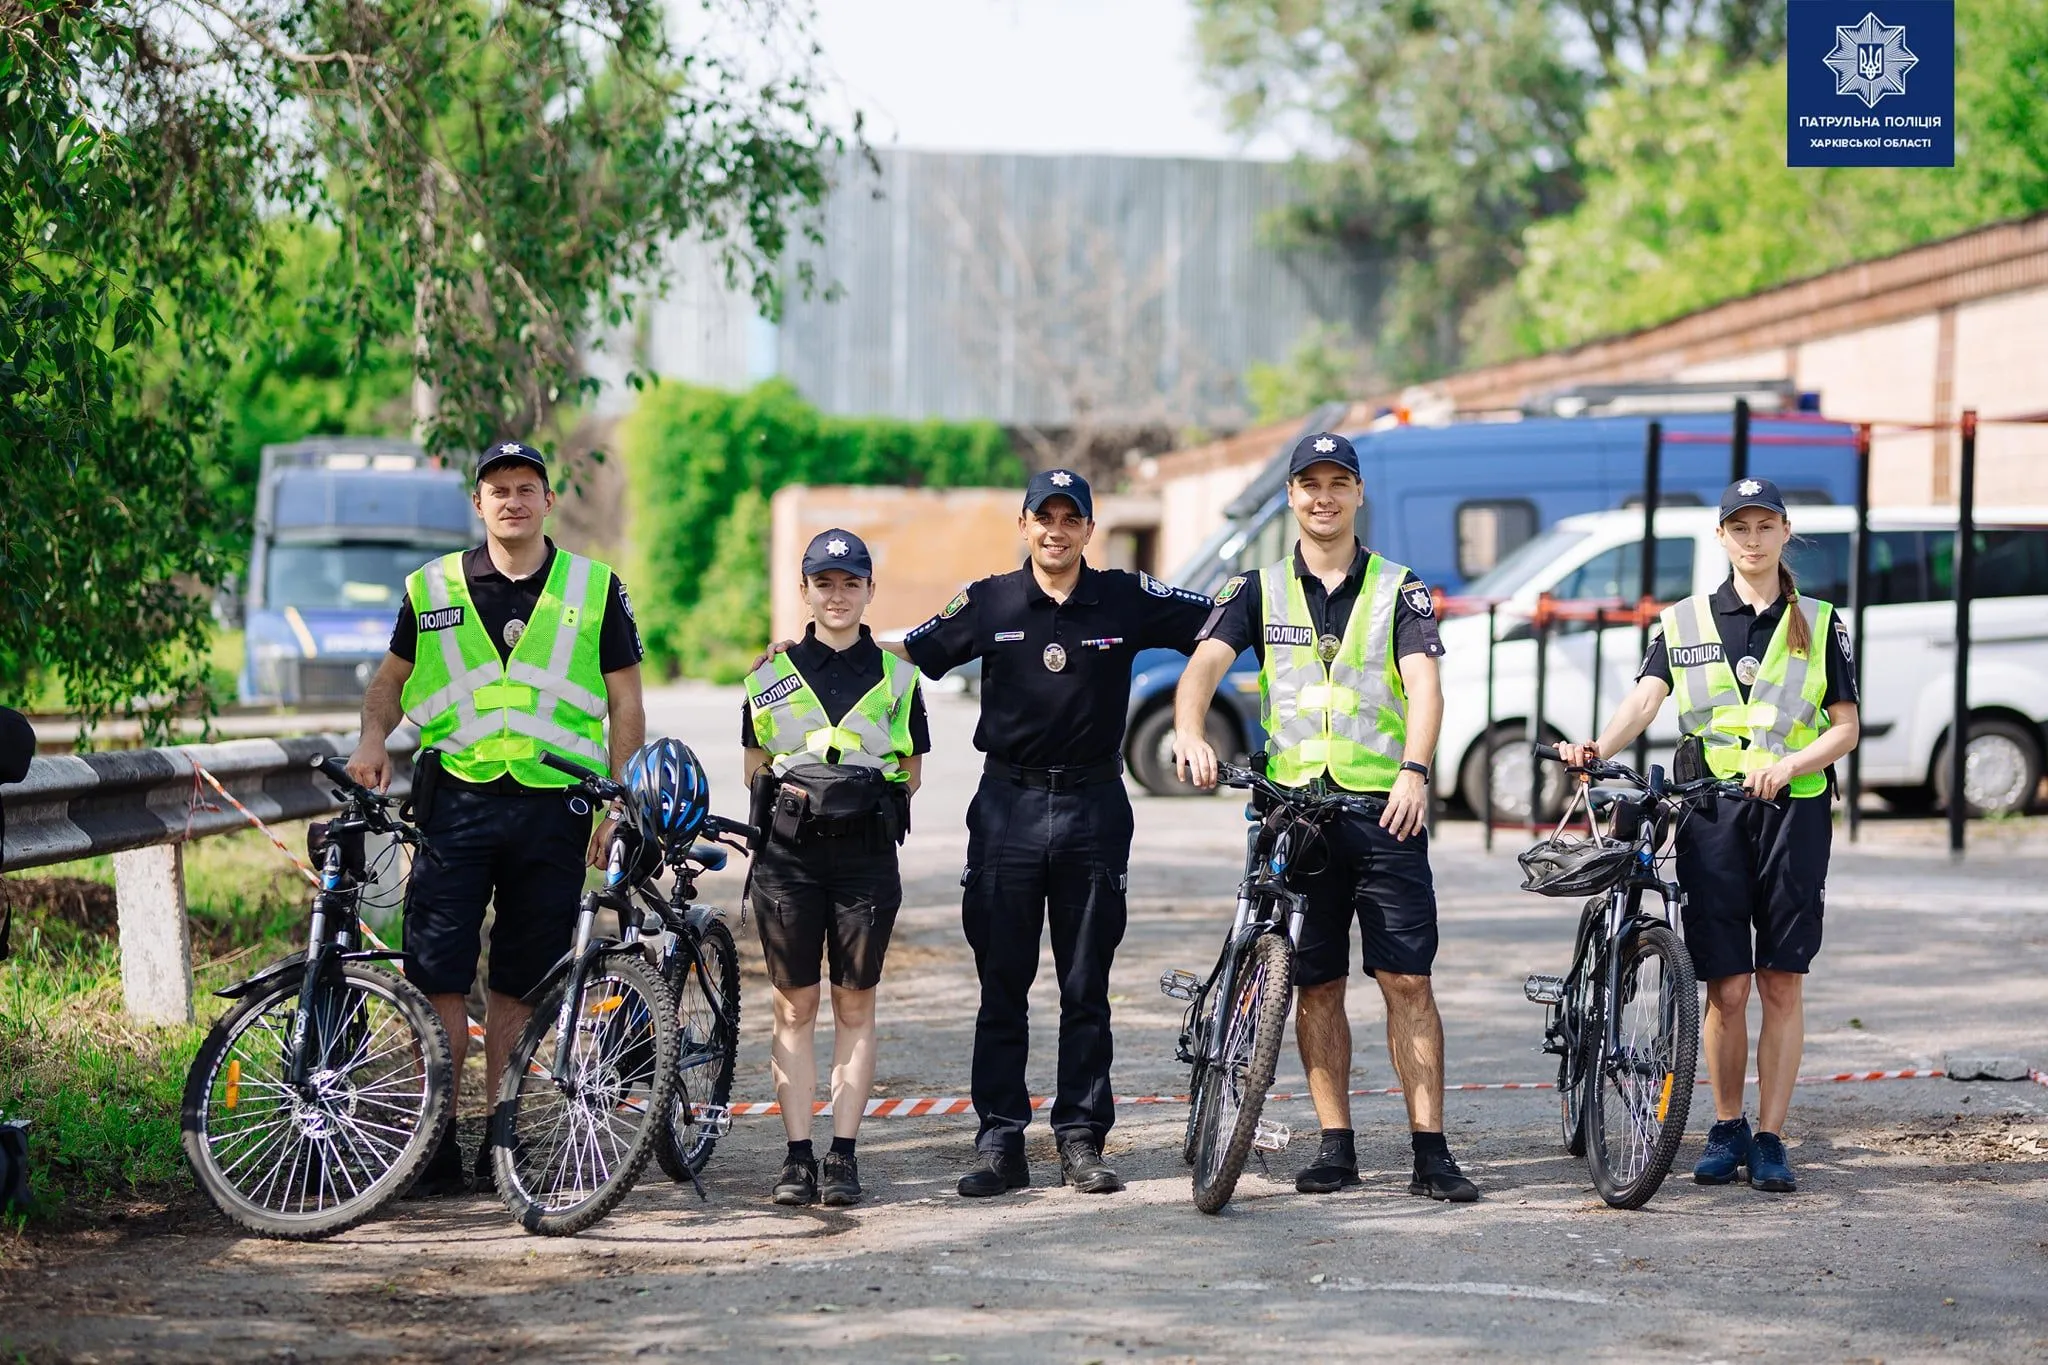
939 1107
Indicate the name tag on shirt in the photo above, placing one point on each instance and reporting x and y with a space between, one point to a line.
1005 637
442 619
1289 635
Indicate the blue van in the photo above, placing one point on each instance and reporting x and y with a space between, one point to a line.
340 522
1452 502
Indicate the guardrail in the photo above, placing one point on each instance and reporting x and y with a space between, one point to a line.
142 806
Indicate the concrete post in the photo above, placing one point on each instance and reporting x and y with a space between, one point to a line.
156 946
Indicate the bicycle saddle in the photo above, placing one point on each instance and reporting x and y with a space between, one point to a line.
710 856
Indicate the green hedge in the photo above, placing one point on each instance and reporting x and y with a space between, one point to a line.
701 466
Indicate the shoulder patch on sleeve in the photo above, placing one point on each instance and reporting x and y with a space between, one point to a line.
1230 590
1154 586
954 607
1416 595
1842 638
624 600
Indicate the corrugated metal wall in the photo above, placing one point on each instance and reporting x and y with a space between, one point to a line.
1040 290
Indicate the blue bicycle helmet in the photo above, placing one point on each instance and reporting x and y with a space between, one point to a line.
671 795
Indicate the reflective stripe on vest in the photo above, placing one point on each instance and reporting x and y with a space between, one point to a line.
1347 718
1783 714
792 725
493 717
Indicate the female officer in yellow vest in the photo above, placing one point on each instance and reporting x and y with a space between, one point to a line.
502 653
1348 646
836 727
1763 677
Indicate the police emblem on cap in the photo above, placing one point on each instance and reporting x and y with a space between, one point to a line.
1055 657
1746 668
1326 648
514 628
509 448
1062 478
836 547
1749 488
1324 445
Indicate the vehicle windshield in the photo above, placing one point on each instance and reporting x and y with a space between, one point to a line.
348 577
1508 577
1205 569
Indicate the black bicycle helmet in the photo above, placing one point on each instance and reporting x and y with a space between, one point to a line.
671 795
1574 867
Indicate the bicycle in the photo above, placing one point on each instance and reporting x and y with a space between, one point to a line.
1624 1021
316 1099
591 1088
1232 1031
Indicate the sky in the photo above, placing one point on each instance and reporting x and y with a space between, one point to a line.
1115 76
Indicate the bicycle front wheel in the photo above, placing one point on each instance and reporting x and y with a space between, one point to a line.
1233 1088
306 1161
707 993
1640 1089
566 1152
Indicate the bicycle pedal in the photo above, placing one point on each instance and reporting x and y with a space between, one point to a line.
1179 984
1543 990
714 1119
1271 1136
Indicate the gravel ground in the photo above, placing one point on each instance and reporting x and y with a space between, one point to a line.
1921 1232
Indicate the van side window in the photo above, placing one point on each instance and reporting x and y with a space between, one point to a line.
1822 564
1488 530
1617 573
2009 564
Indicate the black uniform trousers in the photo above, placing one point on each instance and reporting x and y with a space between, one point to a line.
1035 856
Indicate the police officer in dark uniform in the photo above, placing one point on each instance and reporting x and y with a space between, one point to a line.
501 653
1049 832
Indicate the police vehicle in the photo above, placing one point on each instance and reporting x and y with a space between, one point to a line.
340 522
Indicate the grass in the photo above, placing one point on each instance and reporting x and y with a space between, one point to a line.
100 1091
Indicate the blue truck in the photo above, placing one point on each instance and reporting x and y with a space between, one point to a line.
1456 502
340 522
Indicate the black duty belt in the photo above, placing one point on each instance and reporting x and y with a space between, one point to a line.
1057 779
842 827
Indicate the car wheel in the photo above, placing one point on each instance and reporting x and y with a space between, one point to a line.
2001 769
1506 755
1151 751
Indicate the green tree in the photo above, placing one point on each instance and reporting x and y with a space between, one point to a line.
1689 201
1327 365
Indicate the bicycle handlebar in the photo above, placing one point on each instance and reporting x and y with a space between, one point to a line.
373 808
1607 770
1295 798
597 784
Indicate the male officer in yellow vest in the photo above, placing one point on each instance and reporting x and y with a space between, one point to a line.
1348 644
502 653
834 731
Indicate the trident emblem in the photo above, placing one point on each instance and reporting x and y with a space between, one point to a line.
1870 61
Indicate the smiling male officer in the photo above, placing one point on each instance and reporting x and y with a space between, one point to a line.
1049 832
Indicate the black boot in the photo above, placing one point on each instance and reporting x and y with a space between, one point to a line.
442 1175
1082 1166
996 1173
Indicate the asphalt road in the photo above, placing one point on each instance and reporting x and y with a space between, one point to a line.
1921 1232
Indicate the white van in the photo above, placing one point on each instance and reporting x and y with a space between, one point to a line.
1908 682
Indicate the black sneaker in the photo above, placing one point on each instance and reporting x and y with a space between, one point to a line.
485 1175
1335 1168
442 1176
997 1173
1769 1171
1082 1166
1438 1176
839 1184
798 1184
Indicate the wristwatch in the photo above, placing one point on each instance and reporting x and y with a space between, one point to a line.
1413 767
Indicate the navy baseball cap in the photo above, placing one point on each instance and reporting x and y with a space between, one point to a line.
1059 483
1751 493
1322 447
511 452
838 549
